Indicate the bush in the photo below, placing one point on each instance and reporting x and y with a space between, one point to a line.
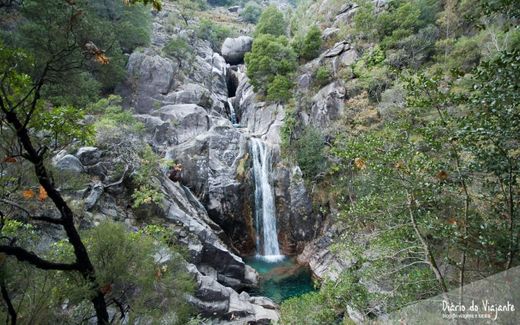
309 150
251 12
311 44
310 308
270 57
271 22
280 89
214 33
323 76
179 49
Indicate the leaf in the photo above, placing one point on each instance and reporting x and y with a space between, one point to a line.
28 194
442 175
359 163
9 160
107 288
102 58
42 194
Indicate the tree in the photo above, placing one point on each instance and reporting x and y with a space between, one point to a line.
311 43
271 22
251 12
491 134
19 101
270 57
280 89
65 51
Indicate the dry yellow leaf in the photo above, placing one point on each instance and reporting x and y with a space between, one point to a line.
28 194
43 194
359 163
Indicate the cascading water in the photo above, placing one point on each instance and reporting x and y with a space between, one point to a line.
233 115
265 211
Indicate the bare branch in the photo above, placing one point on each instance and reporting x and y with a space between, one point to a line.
25 256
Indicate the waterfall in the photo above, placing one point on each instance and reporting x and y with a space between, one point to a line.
233 116
265 211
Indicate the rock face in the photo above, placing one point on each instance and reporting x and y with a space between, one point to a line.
67 162
214 166
296 220
234 49
152 77
323 263
328 104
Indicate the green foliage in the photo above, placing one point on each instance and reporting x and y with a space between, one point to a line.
126 270
179 49
280 89
251 12
147 190
270 57
111 28
64 125
114 123
311 44
374 80
309 152
288 128
214 33
310 308
271 22
323 76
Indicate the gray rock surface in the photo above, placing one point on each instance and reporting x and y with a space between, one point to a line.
88 155
152 77
234 49
67 162
328 104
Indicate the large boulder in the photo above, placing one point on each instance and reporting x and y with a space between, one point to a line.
234 49
88 155
188 120
328 105
67 162
151 77
213 299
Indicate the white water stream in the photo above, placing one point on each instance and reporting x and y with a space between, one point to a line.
265 210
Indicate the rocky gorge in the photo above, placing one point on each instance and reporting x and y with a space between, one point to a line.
187 113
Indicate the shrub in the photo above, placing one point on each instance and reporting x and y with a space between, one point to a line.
322 76
251 12
179 49
214 33
311 44
310 308
309 150
270 57
271 22
280 89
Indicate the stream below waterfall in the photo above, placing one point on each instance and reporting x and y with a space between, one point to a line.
281 280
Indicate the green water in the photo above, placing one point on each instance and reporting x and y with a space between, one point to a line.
281 280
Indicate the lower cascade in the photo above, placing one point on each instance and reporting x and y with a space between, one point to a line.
265 211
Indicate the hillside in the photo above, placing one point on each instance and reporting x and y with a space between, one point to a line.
261 162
